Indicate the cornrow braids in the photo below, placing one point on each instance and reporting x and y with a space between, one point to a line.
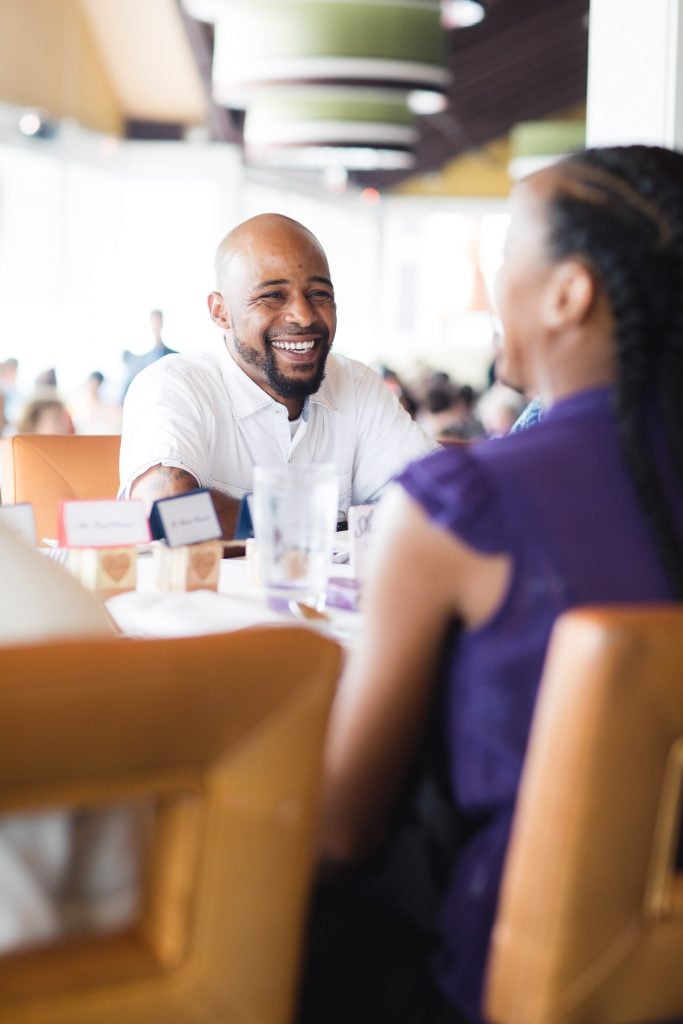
621 211
670 369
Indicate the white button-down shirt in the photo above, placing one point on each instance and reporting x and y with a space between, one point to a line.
203 414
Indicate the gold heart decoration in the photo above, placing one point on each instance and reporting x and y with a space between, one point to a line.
116 566
203 563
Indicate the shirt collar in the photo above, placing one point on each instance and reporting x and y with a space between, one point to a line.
325 393
247 397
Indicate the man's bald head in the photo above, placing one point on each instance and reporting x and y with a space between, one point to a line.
253 236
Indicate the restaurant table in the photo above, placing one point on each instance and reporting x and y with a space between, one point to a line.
149 612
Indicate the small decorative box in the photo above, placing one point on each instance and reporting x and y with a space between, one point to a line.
189 567
106 571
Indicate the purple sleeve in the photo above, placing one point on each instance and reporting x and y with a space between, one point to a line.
455 490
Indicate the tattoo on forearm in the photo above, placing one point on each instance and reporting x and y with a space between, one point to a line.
173 475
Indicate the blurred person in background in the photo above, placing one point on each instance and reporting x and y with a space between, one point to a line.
136 363
9 389
499 408
447 411
46 379
439 407
90 411
45 414
399 388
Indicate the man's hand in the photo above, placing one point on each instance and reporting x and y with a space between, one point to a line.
169 481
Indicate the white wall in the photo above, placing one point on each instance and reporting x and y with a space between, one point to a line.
94 234
635 73
434 311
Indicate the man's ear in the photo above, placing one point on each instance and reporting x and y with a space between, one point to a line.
570 295
220 314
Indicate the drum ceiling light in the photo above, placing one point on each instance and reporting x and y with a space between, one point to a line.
361 129
346 76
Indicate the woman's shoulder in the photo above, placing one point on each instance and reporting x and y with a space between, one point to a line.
457 489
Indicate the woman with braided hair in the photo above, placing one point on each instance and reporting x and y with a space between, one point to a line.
481 549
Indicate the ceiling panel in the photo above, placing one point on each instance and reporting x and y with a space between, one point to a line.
146 52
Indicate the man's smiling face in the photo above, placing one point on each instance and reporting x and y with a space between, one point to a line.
279 300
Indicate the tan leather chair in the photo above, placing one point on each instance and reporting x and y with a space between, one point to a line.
223 735
590 921
46 469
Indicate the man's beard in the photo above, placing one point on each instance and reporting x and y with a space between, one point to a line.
282 384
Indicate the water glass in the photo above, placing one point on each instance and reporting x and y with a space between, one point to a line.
295 517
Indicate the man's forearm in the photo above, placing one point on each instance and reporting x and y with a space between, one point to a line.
169 481
227 509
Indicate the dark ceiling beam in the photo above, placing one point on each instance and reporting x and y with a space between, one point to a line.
522 63
224 125
515 17
563 87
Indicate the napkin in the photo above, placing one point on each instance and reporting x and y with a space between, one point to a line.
193 613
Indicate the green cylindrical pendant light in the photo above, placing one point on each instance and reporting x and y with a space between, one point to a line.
328 42
359 128
335 75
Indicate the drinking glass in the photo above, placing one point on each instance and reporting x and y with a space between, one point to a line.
295 517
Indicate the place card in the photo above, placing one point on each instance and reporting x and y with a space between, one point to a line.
185 519
190 567
20 520
102 524
244 527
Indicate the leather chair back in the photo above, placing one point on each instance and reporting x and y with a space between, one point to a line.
45 469
222 736
590 920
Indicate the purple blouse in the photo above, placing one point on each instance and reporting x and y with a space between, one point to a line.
559 501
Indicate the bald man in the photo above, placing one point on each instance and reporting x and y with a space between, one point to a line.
271 393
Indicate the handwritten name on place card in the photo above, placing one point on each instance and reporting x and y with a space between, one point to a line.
185 519
102 524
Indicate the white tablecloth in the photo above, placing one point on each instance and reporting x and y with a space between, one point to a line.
147 612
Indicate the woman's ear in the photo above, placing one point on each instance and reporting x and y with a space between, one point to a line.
570 295
220 314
